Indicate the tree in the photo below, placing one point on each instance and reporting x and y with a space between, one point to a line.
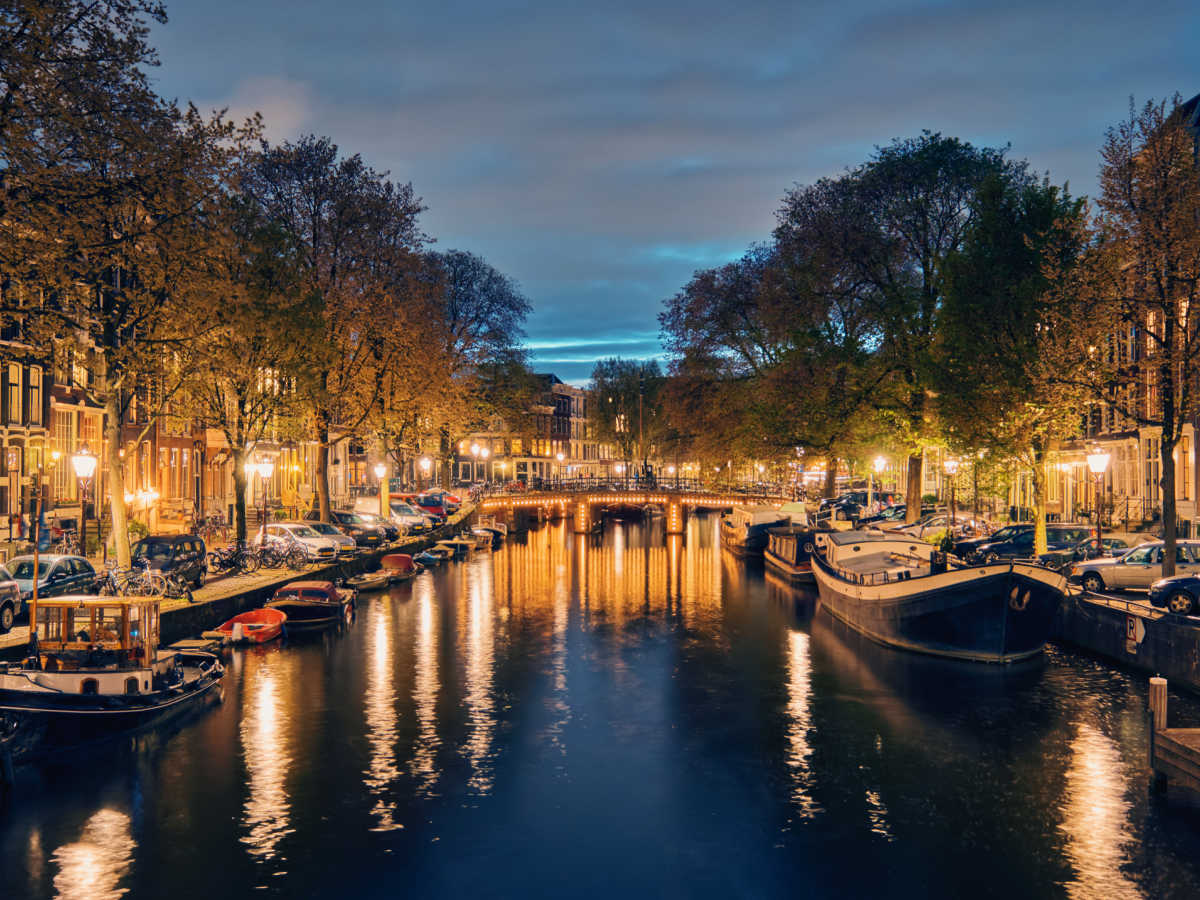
357 246
1148 280
904 211
1014 333
625 397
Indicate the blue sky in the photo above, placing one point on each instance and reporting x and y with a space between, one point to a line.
600 152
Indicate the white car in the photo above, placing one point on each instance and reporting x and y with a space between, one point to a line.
346 545
319 547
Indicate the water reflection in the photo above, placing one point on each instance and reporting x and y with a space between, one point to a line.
266 742
92 867
480 651
799 693
379 702
425 687
1096 818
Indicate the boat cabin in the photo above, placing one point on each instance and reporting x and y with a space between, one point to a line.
319 591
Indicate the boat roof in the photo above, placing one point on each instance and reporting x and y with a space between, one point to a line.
316 585
89 601
842 538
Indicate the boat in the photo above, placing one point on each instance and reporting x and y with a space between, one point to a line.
398 567
254 626
95 671
492 524
456 547
313 605
744 530
485 539
789 553
905 593
369 581
432 557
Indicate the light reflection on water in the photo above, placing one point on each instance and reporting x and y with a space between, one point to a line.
719 741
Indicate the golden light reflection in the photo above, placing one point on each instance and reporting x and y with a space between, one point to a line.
265 733
379 701
799 692
92 867
425 687
480 660
1096 818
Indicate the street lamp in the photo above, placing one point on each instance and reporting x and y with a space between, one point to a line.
1098 461
266 469
950 464
474 462
484 453
381 477
426 464
83 461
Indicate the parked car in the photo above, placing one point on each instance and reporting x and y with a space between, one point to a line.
1020 545
179 554
10 600
968 548
356 525
432 506
1179 594
318 547
346 545
389 531
1058 559
449 501
57 575
1138 569
409 517
937 522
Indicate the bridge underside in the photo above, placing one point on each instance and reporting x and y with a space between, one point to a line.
675 504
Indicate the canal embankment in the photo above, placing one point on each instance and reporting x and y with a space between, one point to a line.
223 597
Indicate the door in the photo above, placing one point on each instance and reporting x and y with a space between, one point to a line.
1134 568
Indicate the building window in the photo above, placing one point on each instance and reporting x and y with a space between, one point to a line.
35 395
14 393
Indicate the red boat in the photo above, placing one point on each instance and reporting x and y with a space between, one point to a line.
398 567
257 626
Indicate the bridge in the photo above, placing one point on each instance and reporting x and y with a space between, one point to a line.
676 503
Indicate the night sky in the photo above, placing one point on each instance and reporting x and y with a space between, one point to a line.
599 153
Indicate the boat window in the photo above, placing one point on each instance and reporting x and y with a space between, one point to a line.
89 686
131 685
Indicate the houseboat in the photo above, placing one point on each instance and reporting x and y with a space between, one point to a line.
789 553
745 529
904 593
95 671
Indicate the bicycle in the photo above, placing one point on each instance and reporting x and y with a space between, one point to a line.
238 559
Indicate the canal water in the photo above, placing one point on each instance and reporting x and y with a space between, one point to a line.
621 715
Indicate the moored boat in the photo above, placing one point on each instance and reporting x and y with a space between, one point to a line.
433 556
904 593
369 581
789 553
254 626
745 529
398 567
313 605
95 671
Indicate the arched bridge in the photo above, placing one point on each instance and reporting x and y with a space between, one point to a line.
675 503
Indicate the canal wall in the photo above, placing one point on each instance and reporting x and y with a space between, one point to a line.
1132 633
222 598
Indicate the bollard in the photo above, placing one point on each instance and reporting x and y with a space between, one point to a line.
1158 702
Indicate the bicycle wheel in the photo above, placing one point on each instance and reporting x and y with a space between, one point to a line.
156 585
297 559
248 563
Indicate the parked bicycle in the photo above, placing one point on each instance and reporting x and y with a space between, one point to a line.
138 581
238 559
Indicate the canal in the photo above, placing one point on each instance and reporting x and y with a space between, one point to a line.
622 715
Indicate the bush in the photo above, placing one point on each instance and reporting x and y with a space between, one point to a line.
929 499
137 530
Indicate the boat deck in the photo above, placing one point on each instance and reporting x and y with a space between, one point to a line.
885 566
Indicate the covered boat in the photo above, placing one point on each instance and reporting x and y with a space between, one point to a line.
744 531
370 581
313 605
95 671
433 556
904 593
254 626
397 567
789 553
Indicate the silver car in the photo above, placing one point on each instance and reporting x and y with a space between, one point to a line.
318 547
1137 569
346 545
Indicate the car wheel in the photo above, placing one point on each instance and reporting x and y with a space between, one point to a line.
1093 583
198 582
7 617
1181 603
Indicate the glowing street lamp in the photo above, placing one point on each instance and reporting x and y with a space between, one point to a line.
381 477
426 464
1098 461
83 461
950 465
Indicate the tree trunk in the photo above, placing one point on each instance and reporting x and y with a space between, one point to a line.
239 494
116 480
912 497
830 478
323 504
1169 516
1038 479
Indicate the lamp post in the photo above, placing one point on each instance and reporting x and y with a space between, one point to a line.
83 461
950 464
381 476
1098 463
426 464
474 461
671 472
559 456
879 465
484 453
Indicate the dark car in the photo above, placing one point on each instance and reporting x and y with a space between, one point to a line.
1179 594
1020 545
10 601
966 549
57 575
1057 559
366 535
183 555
